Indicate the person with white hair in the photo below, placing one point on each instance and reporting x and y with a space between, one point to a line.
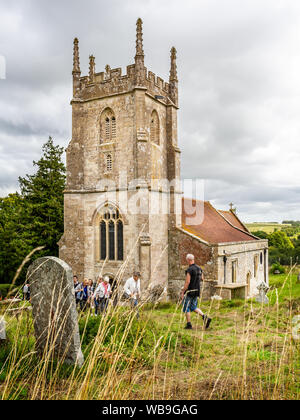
132 290
191 292
102 295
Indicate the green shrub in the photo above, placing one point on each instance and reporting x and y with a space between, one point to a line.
277 268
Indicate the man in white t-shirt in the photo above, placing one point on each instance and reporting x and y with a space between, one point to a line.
132 289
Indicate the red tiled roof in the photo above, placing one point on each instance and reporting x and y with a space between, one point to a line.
233 219
209 225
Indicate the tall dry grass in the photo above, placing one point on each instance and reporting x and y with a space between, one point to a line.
249 354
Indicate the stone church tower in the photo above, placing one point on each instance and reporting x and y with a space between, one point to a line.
123 156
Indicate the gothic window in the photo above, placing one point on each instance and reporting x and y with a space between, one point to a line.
154 128
108 129
109 164
111 235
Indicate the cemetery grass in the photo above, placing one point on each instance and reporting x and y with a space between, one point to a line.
248 353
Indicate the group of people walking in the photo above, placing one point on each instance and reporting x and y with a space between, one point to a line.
97 295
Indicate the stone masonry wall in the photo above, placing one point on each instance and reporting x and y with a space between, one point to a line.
181 244
251 260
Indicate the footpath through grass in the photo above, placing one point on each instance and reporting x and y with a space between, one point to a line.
249 353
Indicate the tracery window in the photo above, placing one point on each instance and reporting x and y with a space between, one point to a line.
111 235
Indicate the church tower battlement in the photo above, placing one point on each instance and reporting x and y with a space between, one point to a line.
112 82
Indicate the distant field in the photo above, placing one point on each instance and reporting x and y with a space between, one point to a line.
265 227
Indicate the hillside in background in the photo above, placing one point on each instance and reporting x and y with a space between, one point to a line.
266 227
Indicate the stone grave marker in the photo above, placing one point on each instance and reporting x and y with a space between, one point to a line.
263 288
155 293
54 311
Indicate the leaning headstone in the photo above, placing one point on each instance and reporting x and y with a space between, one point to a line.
155 293
263 288
54 311
2 330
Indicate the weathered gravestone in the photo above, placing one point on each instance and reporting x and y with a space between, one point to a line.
54 311
263 288
155 293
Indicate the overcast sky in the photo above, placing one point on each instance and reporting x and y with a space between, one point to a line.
239 72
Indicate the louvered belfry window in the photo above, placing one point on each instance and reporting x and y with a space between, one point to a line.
111 235
108 129
113 128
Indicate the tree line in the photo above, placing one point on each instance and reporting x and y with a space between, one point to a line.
283 249
34 216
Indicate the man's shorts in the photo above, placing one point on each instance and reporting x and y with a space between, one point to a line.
190 304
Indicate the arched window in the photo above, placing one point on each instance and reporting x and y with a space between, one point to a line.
111 235
154 128
108 129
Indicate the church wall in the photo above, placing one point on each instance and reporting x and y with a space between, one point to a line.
159 167
181 244
71 246
159 248
121 149
244 255
80 246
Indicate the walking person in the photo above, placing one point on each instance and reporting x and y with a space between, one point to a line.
102 295
84 294
191 293
26 292
76 286
92 288
98 295
107 294
132 290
